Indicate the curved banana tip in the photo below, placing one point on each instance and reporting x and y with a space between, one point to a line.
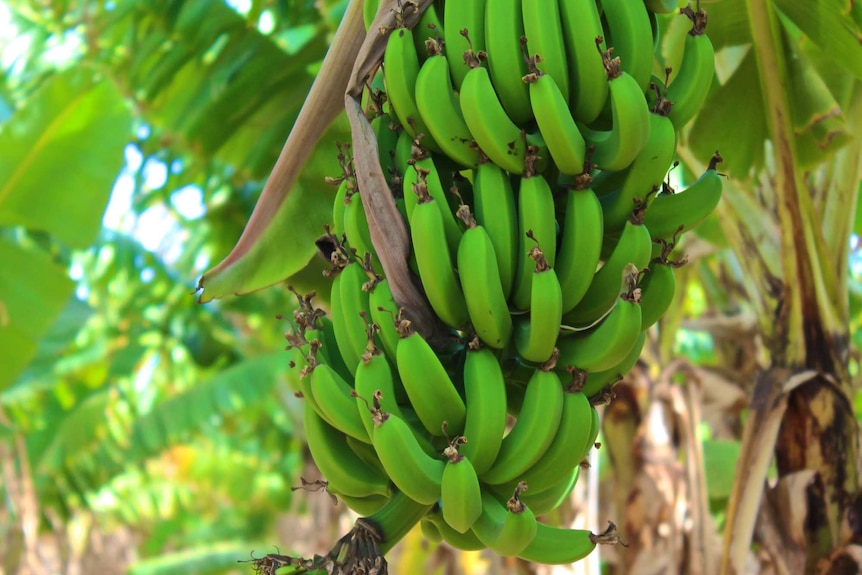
715 160
609 536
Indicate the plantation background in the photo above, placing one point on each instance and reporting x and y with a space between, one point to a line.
144 432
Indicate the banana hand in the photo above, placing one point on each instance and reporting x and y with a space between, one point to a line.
345 471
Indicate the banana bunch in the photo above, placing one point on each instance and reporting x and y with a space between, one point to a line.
528 125
526 144
381 431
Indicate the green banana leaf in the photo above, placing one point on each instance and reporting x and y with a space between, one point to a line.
728 24
93 454
59 156
818 120
33 291
736 103
814 32
719 458
279 239
286 245
826 23
217 83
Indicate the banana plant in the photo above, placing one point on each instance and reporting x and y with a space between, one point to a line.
789 75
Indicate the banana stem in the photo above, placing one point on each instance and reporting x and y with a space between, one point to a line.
388 232
394 520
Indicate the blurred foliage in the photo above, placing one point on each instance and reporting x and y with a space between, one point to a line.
134 401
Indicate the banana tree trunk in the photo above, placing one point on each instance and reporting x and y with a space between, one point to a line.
801 409
659 484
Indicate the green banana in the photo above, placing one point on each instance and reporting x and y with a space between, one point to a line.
580 246
369 12
687 208
438 106
435 262
597 381
463 541
324 333
496 212
306 329
581 25
356 225
387 135
460 492
606 345
334 396
400 72
480 284
556 124
346 473
432 393
536 336
658 286
429 530
485 393
429 27
414 472
633 248
544 32
356 278
383 311
616 148
534 430
338 206
504 27
558 546
342 320
459 16
508 529
656 31
689 87
364 505
646 173
630 33
543 502
365 451
301 350
422 177
568 447
495 133
536 214
375 374
519 527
